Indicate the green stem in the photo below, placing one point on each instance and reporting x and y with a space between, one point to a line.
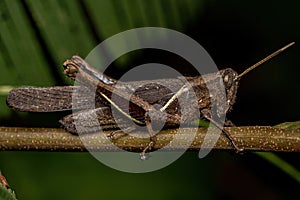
256 138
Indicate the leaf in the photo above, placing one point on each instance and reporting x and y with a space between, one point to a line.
276 160
289 125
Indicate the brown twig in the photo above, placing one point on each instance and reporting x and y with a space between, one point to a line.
256 138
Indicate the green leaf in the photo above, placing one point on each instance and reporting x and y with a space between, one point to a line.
277 161
289 125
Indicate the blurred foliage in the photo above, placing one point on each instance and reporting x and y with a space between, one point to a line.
7 194
37 36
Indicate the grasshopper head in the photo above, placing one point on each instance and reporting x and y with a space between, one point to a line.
230 80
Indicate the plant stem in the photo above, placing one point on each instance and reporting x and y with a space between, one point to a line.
256 138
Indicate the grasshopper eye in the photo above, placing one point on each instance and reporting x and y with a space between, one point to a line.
226 78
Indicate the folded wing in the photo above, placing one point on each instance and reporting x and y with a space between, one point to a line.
52 99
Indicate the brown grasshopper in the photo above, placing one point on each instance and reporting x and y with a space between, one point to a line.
150 103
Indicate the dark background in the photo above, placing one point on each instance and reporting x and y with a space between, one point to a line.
36 37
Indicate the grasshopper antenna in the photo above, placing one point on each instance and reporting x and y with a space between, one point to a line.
264 60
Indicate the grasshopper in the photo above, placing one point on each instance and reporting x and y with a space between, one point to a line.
150 103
